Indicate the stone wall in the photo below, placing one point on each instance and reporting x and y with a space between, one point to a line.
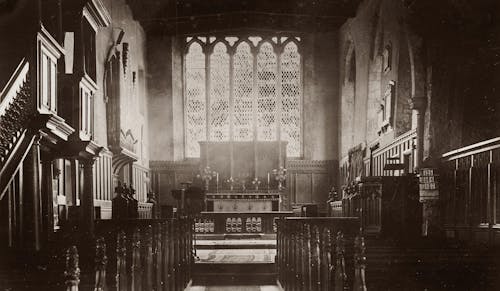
320 112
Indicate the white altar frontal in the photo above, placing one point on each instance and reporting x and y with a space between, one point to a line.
247 201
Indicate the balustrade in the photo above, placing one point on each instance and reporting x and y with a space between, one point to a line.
320 254
136 255
469 190
234 222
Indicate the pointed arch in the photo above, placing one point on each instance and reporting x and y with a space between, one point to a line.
195 98
291 92
243 92
267 76
219 93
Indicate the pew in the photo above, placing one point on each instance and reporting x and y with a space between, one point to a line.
320 254
135 255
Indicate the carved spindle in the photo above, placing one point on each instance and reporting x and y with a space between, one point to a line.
340 273
315 260
298 256
147 258
166 248
326 261
101 261
72 272
359 264
307 257
157 256
136 275
121 266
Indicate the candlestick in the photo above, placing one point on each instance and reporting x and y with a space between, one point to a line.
268 180
217 182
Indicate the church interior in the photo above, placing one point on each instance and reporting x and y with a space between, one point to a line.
298 145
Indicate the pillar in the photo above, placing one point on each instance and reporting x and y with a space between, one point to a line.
47 198
419 104
87 197
431 222
32 198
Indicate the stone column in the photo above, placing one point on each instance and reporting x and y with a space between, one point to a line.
431 222
419 104
32 198
87 197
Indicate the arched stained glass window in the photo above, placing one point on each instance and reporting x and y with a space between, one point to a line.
195 107
252 93
242 93
219 93
290 98
266 93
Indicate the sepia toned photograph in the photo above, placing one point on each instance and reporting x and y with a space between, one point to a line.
249 145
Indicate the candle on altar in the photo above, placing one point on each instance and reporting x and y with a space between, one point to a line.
268 179
217 179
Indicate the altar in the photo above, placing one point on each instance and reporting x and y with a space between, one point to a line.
242 194
253 201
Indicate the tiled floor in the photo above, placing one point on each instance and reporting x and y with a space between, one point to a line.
234 288
231 256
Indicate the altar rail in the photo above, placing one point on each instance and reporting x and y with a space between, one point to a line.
239 222
470 191
317 254
146 254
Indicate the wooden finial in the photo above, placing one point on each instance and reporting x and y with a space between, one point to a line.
72 272
101 261
359 264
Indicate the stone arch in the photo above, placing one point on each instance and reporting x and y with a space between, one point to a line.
348 97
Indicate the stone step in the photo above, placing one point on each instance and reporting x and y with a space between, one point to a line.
235 244
234 274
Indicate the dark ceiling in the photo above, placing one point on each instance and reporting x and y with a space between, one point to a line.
188 17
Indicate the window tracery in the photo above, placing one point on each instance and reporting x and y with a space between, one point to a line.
243 89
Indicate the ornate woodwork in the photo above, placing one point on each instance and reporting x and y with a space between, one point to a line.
320 254
387 206
194 16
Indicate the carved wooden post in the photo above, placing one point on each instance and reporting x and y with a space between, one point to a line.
291 272
326 260
340 274
315 260
147 258
280 256
307 257
166 256
297 256
178 255
136 274
359 264
72 272
121 267
101 261
158 256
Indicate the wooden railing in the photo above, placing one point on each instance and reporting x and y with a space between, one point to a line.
403 147
336 209
145 210
145 254
317 254
15 109
400 150
238 222
470 191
